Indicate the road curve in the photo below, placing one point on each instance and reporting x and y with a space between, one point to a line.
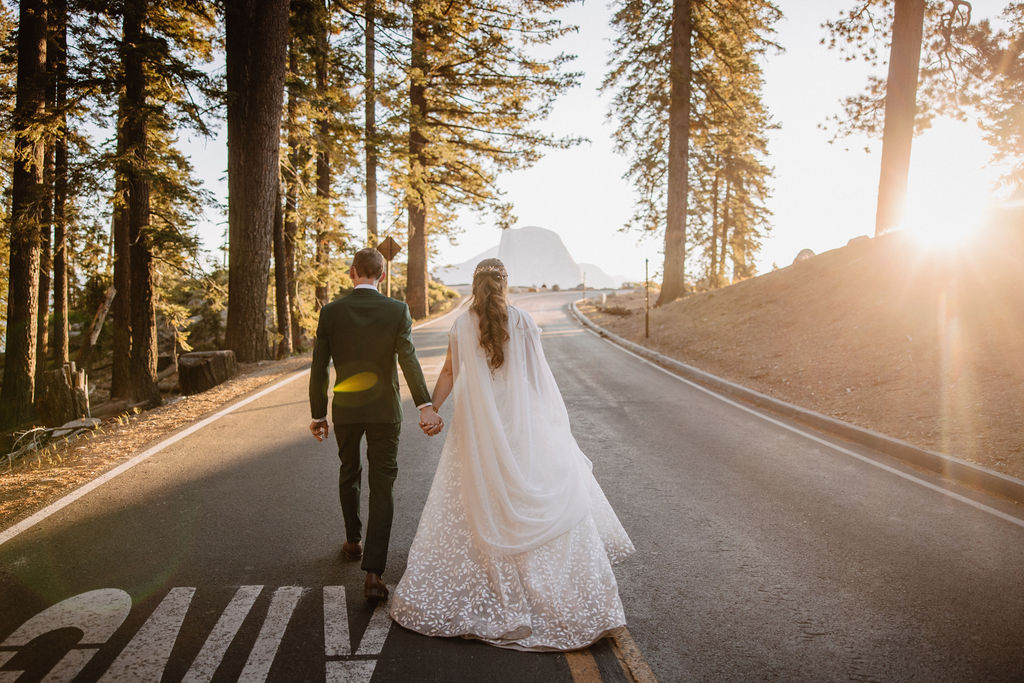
762 553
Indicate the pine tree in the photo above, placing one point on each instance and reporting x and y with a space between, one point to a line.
57 51
256 54
28 195
995 89
716 200
926 69
475 89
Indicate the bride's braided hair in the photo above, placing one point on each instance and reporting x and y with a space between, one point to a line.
489 303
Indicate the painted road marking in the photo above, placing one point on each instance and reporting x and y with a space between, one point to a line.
582 666
97 614
376 631
632 660
224 631
100 613
337 642
350 671
146 655
261 657
825 442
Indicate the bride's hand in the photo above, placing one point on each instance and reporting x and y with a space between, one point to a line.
432 429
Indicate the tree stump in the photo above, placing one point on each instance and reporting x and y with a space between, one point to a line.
202 370
63 396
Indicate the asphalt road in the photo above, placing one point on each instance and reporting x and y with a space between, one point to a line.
763 552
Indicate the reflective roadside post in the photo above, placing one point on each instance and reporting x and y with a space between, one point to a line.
389 248
647 302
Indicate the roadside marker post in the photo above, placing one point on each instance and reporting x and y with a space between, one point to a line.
647 301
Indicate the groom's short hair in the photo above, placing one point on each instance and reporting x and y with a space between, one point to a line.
368 262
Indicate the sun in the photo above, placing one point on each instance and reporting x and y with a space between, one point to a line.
945 221
950 191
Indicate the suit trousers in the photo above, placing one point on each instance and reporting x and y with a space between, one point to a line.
382 462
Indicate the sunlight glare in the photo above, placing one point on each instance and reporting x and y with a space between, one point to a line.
950 194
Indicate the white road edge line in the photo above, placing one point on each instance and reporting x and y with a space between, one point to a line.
853 454
57 506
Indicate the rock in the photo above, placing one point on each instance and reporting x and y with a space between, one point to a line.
202 370
803 255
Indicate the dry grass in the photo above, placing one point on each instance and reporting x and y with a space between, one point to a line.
42 477
924 347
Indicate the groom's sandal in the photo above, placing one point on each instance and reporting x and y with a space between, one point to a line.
351 551
374 588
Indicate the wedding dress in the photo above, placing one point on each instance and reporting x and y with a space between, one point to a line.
516 540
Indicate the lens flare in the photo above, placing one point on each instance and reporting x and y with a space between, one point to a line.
359 382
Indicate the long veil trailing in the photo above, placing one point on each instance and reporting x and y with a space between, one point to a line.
523 476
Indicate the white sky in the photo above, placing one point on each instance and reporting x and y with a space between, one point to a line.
824 194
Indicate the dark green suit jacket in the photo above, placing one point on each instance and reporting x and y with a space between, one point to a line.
363 333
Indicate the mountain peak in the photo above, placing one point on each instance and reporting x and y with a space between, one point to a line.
534 256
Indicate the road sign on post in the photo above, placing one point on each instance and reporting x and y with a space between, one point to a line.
389 248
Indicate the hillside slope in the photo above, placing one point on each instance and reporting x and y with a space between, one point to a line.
926 346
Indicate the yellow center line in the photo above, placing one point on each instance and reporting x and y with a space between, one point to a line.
632 660
583 667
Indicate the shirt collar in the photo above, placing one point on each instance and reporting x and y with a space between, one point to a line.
373 287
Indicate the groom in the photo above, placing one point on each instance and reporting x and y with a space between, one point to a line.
362 333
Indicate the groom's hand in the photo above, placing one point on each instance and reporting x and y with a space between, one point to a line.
319 429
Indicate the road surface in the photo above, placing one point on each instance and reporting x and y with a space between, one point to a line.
763 551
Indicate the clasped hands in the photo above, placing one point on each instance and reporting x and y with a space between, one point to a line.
430 422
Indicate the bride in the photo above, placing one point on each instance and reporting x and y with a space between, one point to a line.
516 540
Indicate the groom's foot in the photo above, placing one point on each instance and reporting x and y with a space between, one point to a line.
351 551
375 588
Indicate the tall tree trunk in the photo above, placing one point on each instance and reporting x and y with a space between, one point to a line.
27 197
900 111
45 248
121 330
256 47
713 280
724 236
680 68
416 273
323 167
143 311
291 204
46 228
284 323
371 125
59 14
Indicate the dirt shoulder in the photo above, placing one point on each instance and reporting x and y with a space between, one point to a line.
923 346
41 477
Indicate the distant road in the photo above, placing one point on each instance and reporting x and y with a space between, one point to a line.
762 553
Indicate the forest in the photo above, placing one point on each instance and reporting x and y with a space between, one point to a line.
418 106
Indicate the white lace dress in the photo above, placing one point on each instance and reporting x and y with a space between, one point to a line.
516 541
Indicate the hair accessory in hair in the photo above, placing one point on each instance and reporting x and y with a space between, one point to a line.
490 268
